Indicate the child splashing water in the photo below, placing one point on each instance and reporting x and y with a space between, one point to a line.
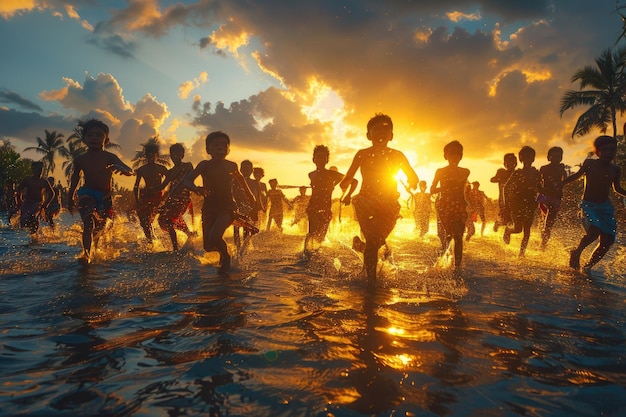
94 197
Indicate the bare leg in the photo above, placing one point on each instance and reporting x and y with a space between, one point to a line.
214 239
591 235
606 241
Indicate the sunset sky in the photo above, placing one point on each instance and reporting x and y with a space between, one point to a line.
283 76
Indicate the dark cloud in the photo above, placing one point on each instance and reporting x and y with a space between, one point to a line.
14 98
20 127
267 121
112 42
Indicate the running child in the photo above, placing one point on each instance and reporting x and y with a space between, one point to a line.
94 198
376 206
54 207
323 182
35 194
178 199
218 208
276 199
520 194
149 197
450 185
551 191
250 211
501 177
598 213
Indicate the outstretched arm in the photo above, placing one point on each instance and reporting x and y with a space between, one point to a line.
577 175
356 164
348 196
118 166
617 186
190 179
411 177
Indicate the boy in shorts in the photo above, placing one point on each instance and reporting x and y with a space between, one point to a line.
94 197
598 213
376 206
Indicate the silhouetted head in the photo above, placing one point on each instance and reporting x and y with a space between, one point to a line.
510 160
321 155
380 128
453 150
526 154
605 147
258 172
603 140
177 148
246 168
555 153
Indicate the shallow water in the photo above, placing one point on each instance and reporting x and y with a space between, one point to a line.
147 332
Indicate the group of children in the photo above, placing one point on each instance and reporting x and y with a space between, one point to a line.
233 197
523 190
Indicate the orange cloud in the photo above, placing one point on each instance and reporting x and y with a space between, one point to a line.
9 8
457 16
188 86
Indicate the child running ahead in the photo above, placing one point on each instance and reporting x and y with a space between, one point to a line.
376 206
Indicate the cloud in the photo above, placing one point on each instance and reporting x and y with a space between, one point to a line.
72 13
102 97
121 45
267 121
12 97
188 86
23 127
489 73
457 16
9 9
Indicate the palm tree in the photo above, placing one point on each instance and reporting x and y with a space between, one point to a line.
151 144
51 145
605 96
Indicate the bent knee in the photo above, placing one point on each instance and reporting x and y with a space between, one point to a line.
607 239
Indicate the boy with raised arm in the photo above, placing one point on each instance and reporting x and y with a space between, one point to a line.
598 213
450 185
219 207
323 182
376 206
177 200
94 197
